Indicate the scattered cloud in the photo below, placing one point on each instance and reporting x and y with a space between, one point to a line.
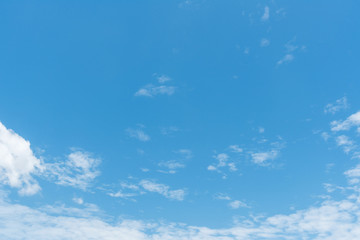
138 134
163 189
351 121
261 130
171 166
151 91
264 42
266 14
78 200
145 186
169 130
18 163
262 158
345 142
187 153
223 161
237 204
236 148
78 170
162 78
339 104
286 59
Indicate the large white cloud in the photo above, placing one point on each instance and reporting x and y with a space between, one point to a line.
17 162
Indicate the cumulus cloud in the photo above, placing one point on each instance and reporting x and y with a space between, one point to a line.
266 14
138 134
78 170
351 121
339 104
18 163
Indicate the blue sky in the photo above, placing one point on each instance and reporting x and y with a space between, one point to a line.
189 119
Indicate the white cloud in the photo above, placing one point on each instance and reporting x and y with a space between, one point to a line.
340 104
345 142
78 200
79 170
354 175
286 59
171 165
223 161
261 158
187 153
163 78
169 130
138 134
264 42
328 220
237 204
351 121
236 148
261 130
17 162
266 14
162 189
151 90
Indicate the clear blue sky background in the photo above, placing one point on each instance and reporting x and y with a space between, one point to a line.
79 74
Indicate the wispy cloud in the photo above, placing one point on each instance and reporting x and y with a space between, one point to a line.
223 161
78 170
151 91
351 121
286 59
266 14
163 189
264 42
138 134
339 104
262 158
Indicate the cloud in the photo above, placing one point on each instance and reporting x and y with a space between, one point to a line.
261 158
266 14
236 148
223 161
237 204
146 186
327 220
264 42
138 134
169 130
345 142
351 121
151 91
163 78
163 189
187 153
18 163
286 59
171 165
78 170
340 104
